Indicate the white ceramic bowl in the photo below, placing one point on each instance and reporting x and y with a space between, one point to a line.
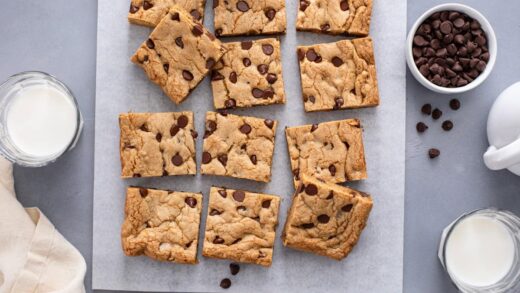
491 42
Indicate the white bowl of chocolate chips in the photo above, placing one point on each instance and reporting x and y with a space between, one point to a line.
451 48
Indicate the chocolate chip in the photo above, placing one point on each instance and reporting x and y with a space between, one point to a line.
222 193
436 114
314 127
242 6
312 99
311 189
133 8
246 62
267 49
150 44
187 75
218 240
433 153
257 93
143 192
455 104
223 159
158 137
225 283
197 30
323 219
337 61
174 130
215 3
296 173
338 102
332 170
214 212
136 175
262 68
239 195
270 14
269 123
166 67
347 208
233 77
304 4
311 55
325 27
215 76
147 5
177 160
245 129
192 202
206 158
253 159
421 127
301 54
182 121
194 133
195 14
344 5
234 268
331 195
218 32
266 203
210 63
268 93
271 78
230 103
246 45
307 225
447 125
176 16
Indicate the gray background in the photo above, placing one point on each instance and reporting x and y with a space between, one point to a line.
59 37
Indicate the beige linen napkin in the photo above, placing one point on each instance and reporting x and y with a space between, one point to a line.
34 256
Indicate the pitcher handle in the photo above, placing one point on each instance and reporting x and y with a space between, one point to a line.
505 157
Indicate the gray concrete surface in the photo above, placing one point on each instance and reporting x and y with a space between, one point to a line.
59 37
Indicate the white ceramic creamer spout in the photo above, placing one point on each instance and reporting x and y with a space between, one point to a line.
503 129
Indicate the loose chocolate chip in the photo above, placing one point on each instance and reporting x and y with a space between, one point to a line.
262 68
182 121
344 5
195 14
166 67
332 170
246 62
269 123
455 104
218 240
223 159
133 8
158 137
270 14
150 44
174 130
325 27
215 75
177 160
267 49
225 283
215 3
234 268
187 75
447 125
420 41
245 129
239 195
347 208
246 45
433 153
257 93
176 16
222 193
307 225
143 192
271 78
253 159
311 55
337 61
210 63
323 219
233 77
197 30
421 127
147 5
266 203
436 114
192 202
230 103
304 4
311 189
314 127
206 158
242 6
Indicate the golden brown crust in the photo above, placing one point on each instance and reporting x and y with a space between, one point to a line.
241 226
150 13
340 75
325 218
161 224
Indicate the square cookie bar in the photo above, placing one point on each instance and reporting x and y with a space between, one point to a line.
238 146
249 17
249 74
340 75
178 54
330 151
157 144
161 224
241 226
350 17
326 218
150 12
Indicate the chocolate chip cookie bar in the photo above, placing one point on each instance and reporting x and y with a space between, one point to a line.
157 144
241 226
330 151
340 75
325 218
161 224
350 17
249 17
178 54
150 12
249 74
238 146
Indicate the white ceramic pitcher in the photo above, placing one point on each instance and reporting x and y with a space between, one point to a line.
503 129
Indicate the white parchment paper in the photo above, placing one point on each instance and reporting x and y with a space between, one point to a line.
376 263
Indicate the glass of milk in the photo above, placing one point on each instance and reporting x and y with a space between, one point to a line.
480 251
39 119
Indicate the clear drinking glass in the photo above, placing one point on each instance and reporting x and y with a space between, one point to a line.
511 281
9 90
